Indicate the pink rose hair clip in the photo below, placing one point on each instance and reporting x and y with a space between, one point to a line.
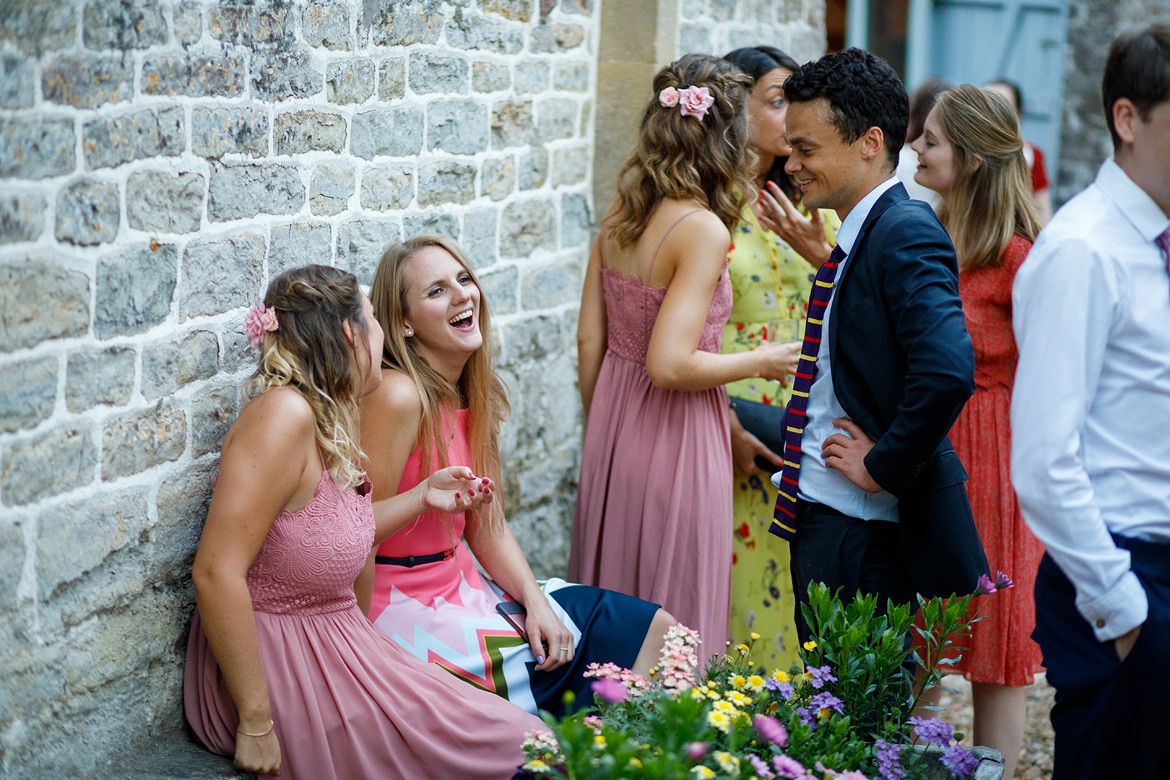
691 101
258 321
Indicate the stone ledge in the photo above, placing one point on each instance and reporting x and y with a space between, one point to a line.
177 757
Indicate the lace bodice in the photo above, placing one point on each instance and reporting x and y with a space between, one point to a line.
632 308
311 557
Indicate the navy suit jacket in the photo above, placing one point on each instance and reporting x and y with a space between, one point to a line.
903 368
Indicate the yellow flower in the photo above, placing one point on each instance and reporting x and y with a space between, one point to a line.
535 763
810 645
727 762
739 699
780 676
698 694
738 682
599 741
719 720
755 637
702 772
744 648
755 683
724 706
635 763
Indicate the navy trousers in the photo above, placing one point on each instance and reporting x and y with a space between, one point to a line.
1110 715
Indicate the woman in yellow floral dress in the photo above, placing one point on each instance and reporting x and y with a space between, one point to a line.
770 280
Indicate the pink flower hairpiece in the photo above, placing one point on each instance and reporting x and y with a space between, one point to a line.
258 321
691 101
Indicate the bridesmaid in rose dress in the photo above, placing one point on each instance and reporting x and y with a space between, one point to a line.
971 153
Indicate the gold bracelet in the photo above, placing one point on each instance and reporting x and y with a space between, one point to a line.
264 733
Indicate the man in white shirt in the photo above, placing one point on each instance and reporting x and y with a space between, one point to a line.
1091 434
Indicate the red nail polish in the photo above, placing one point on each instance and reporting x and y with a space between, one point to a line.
456 496
471 492
485 480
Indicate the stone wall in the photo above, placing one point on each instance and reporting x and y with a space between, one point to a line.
160 161
1084 140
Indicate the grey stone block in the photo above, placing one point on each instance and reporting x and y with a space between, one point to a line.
174 758
140 440
532 76
27 26
87 213
107 142
186 23
582 7
247 24
300 244
469 30
695 36
99 376
40 299
388 187
22 216
445 181
457 126
115 24
165 202
360 243
326 24
286 73
557 118
12 553
430 222
532 168
555 38
49 464
402 22
489 76
439 71
392 78
308 131
571 76
497 178
527 225
393 132
28 393
134 289
35 148
349 81
212 414
480 232
330 188
576 220
229 130
570 165
197 75
500 288
76 538
242 191
551 284
16 81
172 364
512 124
515 10
219 274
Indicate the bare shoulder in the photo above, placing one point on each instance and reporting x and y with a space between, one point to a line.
280 413
396 398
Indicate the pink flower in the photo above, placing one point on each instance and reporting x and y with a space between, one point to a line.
610 691
694 101
1003 582
696 750
771 729
985 587
668 98
258 321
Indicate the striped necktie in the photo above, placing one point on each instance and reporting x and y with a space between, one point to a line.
784 516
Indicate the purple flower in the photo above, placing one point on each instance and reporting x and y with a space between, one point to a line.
960 761
758 766
610 691
787 766
782 688
696 750
933 731
889 760
827 701
819 675
807 717
771 729
1003 582
985 587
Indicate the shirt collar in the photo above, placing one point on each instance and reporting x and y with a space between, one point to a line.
851 225
1131 200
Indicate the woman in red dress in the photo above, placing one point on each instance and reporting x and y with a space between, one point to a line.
971 153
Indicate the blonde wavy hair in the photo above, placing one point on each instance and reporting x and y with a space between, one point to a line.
479 387
309 352
686 158
991 199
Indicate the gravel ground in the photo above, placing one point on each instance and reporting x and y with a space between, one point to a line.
1036 757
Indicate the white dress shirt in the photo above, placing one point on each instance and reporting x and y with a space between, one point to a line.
1091 405
818 482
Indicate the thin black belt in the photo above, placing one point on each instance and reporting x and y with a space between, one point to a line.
411 561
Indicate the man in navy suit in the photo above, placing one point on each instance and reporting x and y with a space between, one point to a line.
881 505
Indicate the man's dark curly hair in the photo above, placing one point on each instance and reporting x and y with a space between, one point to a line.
863 92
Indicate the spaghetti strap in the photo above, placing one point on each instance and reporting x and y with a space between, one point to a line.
653 257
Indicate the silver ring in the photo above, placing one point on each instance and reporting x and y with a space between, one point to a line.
564 649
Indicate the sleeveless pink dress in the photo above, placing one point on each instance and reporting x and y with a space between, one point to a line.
654 503
346 701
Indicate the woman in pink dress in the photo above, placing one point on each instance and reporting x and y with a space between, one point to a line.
440 402
971 153
655 491
283 671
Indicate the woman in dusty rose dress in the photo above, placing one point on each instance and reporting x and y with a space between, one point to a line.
655 490
971 153
283 670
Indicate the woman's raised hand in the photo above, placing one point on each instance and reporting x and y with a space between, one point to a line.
456 489
806 235
778 361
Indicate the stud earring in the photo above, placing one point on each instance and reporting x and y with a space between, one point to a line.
409 332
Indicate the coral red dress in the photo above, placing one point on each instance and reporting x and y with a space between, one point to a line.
1001 649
